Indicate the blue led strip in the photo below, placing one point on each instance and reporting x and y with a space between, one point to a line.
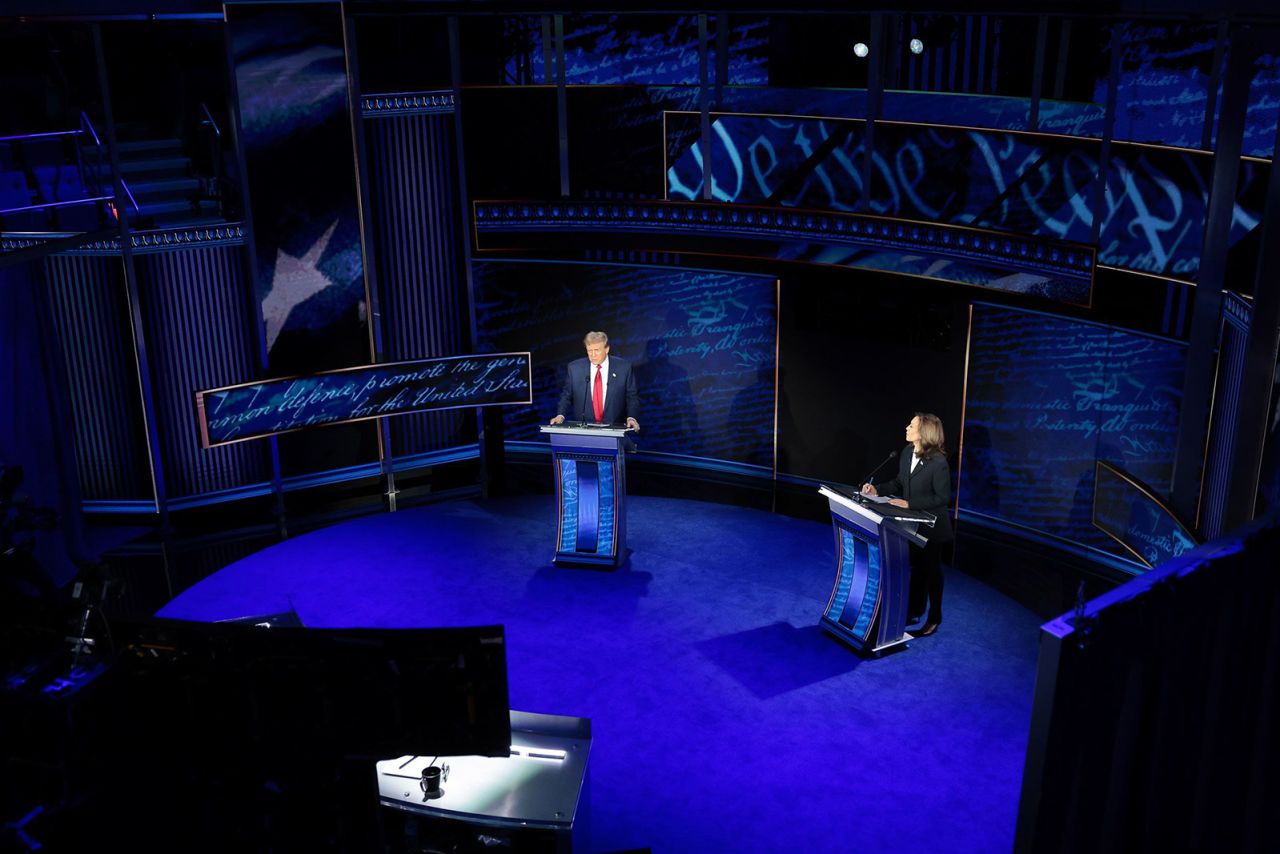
844 574
1021 252
608 503
568 505
871 593
853 607
588 520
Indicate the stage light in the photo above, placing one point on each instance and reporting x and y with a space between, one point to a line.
916 46
860 50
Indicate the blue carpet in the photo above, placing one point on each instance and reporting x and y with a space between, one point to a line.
723 719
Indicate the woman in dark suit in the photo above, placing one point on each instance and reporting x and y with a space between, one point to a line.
924 483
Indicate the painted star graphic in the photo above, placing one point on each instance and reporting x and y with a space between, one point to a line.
295 280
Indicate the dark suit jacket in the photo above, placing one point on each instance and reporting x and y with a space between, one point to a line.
621 400
927 488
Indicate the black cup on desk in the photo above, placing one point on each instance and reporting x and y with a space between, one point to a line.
430 785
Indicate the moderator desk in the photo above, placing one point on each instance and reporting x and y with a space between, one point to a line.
534 800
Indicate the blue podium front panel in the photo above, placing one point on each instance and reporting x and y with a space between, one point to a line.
855 599
868 604
589 508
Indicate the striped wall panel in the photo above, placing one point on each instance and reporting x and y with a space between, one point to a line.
196 321
419 260
1236 315
90 308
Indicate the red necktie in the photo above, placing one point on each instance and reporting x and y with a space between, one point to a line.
597 395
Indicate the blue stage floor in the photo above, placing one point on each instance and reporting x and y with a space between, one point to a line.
723 719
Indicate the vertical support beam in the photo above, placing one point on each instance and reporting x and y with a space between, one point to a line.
548 52
1215 80
131 289
996 27
704 109
562 108
1064 49
893 48
386 458
1098 203
912 60
487 465
1037 73
982 54
722 57
1197 390
875 92
1261 349
968 52
253 304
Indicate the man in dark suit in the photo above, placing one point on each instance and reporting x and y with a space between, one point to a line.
599 388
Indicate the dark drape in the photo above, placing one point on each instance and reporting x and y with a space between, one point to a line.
1154 719
32 434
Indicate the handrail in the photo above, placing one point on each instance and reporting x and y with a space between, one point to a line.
68 203
85 123
209 120
214 186
20 136
86 128
129 193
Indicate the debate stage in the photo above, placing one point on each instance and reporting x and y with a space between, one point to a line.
722 717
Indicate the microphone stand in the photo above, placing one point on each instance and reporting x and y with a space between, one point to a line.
876 470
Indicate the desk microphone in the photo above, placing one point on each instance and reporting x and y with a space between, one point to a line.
876 470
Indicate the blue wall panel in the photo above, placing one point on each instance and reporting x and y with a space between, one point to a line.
90 309
1046 397
197 322
417 254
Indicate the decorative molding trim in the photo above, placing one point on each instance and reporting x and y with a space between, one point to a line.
1058 258
406 103
1237 310
159 240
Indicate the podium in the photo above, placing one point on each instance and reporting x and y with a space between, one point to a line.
591 494
868 605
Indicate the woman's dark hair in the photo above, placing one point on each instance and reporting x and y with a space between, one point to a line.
932 439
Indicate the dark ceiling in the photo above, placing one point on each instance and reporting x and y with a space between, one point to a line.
1247 10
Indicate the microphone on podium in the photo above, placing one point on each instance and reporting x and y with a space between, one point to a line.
876 470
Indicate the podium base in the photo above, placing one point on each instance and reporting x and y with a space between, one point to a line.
587 561
846 637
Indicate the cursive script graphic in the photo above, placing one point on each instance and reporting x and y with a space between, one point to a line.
1151 218
1046 398
1123 510
647 49
276 406
701 345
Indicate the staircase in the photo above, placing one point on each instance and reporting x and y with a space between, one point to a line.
160 178
55 182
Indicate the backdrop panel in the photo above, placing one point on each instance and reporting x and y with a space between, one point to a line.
295 119
1046 398
703 346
